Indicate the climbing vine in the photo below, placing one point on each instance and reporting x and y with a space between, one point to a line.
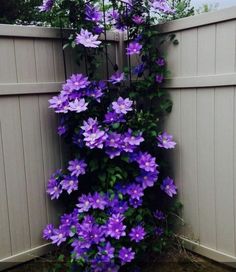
120 198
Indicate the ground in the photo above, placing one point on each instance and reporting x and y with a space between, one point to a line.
175 262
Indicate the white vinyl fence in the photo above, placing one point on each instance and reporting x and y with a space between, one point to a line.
31 71
203 121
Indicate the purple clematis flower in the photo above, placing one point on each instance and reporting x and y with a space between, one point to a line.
122 106
76 82
85 203
161 5
98 201
93 13
159 215
95 138
112 117
160 62
138 19
48 232
61 130
165 140
169 187
135 191
78 105
147 179
159 78
95 93
135 202
117 78
137 234
58 236
115 226
54 188
134 48
106 252
146 162
70 184
77 167
46 5
126 255
59 104
87 39
159 231
139 69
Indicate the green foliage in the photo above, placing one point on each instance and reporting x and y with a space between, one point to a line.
183 9
207 8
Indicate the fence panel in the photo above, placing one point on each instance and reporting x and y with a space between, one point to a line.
31 72
202 87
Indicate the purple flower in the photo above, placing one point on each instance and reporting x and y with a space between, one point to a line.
90 125
118 206
146 162
112 15
76 82
138 19
134 48
93 13
115 226
70 184
126 255
61 130
106 252
95 93
160 62
137 234
54 188
113 145
112 117
48 232
135 191
135 202
131 139
98 201
95 138
59 104
166 141
122 106
77 139
113 152
77 167
169 187
161 5
117 78
78 105
159 231
87 39
159 215
159 78
46 5
84 203
139 69
113 140
58 236
147 179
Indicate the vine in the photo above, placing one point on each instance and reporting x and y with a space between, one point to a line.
119 196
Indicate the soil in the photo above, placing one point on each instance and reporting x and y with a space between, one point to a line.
175 262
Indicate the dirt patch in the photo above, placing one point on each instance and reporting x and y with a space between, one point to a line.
175 261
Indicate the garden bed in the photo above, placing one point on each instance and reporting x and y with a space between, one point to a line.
175 261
